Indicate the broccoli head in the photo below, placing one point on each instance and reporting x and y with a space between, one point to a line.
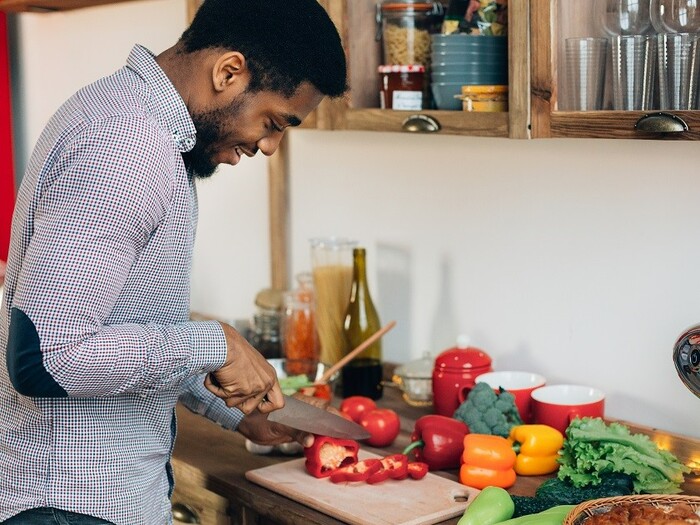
487 412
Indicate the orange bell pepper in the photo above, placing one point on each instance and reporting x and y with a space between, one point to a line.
487 460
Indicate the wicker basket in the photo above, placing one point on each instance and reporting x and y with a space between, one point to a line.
597 506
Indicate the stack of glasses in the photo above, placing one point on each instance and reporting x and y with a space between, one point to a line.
461 60
653 48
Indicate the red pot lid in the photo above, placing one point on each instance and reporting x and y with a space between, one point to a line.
468 357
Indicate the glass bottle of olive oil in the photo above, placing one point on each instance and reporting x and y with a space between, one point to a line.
363 375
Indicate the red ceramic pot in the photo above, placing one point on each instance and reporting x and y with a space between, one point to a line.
454 374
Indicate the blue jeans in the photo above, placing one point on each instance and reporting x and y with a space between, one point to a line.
51 516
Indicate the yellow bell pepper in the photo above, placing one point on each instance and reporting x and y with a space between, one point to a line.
537 448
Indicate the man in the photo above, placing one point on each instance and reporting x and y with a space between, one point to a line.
94 327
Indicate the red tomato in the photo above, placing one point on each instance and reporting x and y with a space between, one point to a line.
383 424
354 406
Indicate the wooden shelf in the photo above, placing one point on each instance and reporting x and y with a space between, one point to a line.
43 6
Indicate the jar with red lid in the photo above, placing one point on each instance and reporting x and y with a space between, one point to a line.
454 375
405 27
401 87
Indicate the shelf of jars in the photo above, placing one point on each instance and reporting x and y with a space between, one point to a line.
622 69
363 27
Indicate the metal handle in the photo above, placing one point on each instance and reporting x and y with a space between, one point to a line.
420 124
185 513
661 123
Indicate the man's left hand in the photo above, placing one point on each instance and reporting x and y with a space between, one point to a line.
256 427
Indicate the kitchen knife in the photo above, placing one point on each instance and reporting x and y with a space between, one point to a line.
306 417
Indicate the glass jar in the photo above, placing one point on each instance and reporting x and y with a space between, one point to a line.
299 336
405 29
265 336
401 87
485 98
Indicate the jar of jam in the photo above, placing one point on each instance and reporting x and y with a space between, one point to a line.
485 98
405 26
401 87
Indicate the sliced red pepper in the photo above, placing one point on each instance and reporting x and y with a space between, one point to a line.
394 467
417 469
381 475
359 471
438 441
397 465
328 454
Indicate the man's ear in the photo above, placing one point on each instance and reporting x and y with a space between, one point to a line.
229 69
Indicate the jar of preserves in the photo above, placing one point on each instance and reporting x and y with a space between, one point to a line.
401 87
485 98
404 27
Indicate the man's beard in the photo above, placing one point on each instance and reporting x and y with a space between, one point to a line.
210 131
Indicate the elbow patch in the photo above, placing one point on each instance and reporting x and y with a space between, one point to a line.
24 360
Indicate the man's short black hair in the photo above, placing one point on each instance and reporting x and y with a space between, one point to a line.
285 42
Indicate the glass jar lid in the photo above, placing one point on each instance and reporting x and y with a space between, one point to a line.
395 68
410 5
483 89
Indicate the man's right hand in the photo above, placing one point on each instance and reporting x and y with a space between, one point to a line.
246 380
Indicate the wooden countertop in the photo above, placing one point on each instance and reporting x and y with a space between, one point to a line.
219 459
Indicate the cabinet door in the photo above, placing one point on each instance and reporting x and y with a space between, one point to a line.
552 21
192 502
359 110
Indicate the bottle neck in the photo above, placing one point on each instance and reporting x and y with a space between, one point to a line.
359 274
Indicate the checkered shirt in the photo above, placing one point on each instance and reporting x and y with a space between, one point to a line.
100 258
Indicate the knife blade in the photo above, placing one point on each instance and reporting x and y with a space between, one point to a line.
306 417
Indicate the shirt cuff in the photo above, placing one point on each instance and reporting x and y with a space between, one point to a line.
208 344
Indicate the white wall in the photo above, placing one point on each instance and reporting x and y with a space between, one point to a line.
573 258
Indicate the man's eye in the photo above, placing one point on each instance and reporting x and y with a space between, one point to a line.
274 127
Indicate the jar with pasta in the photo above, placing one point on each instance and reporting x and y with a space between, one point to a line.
406 26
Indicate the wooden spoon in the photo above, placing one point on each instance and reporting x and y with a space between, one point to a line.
354 353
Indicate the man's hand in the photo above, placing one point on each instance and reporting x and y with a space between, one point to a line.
256 427
246 380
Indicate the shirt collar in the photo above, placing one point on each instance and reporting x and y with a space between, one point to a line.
167 100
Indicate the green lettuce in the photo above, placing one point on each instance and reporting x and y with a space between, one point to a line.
593 448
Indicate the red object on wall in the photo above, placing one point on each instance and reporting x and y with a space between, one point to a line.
7 168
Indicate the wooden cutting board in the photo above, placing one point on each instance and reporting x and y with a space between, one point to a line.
407 502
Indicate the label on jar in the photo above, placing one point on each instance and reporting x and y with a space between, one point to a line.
408 100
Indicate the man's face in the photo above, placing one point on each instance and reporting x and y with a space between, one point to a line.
244 124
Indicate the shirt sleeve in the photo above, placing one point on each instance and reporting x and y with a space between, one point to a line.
99 203
199 400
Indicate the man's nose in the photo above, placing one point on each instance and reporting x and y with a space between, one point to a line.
269 144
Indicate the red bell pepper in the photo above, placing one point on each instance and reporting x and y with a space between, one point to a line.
359 471
417 469
394 467
328 454
438 441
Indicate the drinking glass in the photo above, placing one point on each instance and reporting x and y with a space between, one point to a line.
675 16
624 17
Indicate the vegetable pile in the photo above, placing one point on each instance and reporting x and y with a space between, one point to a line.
486 412
494 506
594 448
